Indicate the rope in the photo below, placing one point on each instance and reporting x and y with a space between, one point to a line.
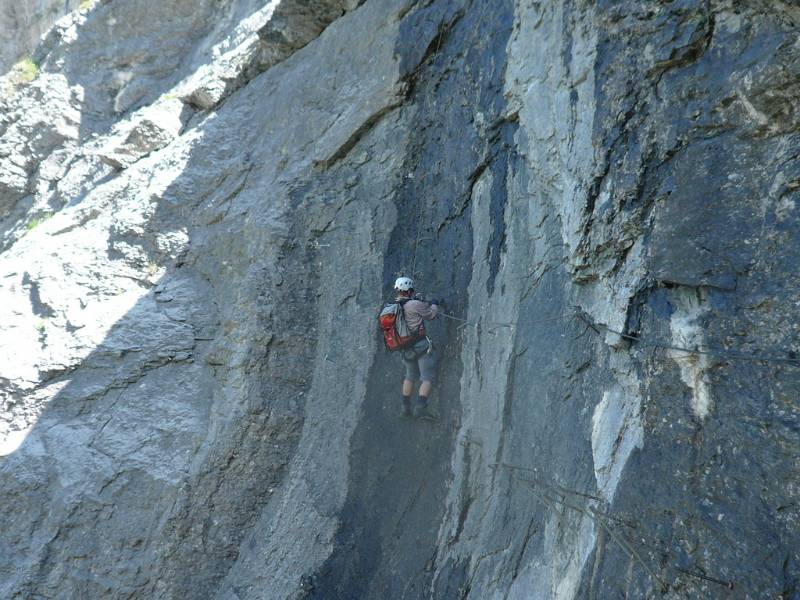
600 518
509 325
422 202
465 322
709 352
416 243
755 357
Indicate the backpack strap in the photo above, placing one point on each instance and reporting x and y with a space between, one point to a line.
420 332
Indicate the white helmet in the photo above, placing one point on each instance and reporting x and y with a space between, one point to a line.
403 284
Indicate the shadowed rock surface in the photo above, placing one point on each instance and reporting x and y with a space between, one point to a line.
204 203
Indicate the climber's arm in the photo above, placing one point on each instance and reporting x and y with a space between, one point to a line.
428 311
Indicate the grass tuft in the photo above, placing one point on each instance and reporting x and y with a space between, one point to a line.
36 221
24 71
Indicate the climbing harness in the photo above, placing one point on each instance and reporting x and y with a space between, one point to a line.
410 355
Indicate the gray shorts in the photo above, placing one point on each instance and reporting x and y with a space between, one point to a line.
423 367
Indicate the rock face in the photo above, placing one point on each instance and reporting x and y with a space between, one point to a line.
203 204
22 23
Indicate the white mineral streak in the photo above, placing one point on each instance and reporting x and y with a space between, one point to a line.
687 332
562 157
616 428
487 358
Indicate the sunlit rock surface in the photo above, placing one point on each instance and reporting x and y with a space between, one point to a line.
203 204
23 23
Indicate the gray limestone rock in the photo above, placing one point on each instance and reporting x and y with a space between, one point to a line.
203 205
23 23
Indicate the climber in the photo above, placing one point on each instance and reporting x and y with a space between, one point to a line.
420 358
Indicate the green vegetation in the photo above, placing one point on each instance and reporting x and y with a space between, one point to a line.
27 70
21 73
86 4
36 221
40 326
24 71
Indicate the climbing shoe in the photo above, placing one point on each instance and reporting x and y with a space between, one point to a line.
406 412
421 411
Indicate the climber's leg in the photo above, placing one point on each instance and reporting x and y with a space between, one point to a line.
425 388
427 368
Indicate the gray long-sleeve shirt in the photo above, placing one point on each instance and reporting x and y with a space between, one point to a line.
417 311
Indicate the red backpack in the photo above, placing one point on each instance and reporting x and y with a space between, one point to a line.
396 332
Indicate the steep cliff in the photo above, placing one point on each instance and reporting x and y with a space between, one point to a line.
203 204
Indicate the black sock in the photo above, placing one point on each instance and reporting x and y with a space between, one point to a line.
406 399
422 400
